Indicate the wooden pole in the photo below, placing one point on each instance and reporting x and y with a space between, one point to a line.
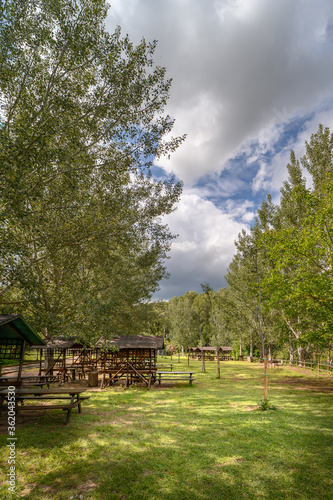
266 381
21 361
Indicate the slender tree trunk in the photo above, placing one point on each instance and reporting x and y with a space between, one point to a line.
218 374
301 355
240 346
203 367
251 348
291 351
270 356
261 332
329 358
163 351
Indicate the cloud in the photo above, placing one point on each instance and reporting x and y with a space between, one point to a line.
239 68
251 80
204 247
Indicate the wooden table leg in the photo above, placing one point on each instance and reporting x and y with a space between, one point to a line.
69 411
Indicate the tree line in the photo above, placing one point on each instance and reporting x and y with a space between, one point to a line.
279 297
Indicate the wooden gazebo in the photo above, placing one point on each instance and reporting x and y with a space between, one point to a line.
15 335
130 357
54 358
209 353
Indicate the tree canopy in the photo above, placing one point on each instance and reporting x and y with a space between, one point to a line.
279 294
82 119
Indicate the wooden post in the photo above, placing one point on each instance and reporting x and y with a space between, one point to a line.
21 361
266 381
64 363
40 361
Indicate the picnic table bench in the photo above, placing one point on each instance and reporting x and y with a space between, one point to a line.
72 399
167 376
68 374
35 380
274 362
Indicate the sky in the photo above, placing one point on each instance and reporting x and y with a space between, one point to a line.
252 79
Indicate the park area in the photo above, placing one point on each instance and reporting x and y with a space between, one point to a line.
205 441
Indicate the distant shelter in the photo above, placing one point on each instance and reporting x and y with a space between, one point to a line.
209 353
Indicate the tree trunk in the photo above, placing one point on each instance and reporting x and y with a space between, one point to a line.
93 379
251 348
291 351
218 362
203 367
49 358
270 357
261 332
301 355
329 358
240 346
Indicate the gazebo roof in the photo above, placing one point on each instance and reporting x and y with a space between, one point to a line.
60 343
13 326
210 348
135 342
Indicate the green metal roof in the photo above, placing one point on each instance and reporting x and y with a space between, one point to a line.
13 326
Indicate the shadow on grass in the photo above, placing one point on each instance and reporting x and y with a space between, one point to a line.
182 443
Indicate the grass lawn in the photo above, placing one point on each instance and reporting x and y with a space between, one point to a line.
179 442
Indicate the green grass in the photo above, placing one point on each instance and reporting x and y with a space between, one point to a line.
174 443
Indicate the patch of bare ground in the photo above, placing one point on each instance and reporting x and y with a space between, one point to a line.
83 488
318 384
251 408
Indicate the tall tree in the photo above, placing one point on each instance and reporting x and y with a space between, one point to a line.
82 118
300 244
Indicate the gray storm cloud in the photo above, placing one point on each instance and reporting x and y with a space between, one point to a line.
238 67
243 71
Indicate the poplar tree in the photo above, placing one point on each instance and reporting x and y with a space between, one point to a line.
82 119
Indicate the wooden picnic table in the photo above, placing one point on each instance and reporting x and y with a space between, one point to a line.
67 373
39 380
167 376
71 396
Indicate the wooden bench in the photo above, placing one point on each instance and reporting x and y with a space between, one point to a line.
37 395
28 380
274 362
175 376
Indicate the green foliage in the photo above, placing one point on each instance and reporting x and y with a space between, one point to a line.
264 405
280 284
81 121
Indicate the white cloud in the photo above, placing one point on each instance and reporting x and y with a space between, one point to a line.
243 71
205 245
239 68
